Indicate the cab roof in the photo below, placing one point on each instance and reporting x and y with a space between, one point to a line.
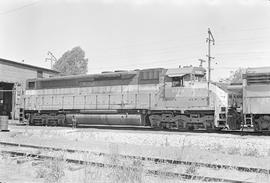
178 72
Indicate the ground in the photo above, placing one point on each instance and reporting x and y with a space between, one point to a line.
234 150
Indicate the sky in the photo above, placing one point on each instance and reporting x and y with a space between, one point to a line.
138 34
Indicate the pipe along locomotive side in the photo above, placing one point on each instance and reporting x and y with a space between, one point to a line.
176 98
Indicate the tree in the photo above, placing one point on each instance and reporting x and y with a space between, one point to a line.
72 62
236 76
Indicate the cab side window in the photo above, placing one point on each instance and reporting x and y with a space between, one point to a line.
31 85
177 82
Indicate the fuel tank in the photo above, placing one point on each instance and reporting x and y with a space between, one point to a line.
106 119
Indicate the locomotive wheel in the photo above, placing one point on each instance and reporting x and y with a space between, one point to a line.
44 118
191 128
155 121
263 123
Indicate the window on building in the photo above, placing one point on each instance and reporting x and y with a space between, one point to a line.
31 85
177 82
39 74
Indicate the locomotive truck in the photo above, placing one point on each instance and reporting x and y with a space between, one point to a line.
177 98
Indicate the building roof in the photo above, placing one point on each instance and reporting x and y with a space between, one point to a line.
18 64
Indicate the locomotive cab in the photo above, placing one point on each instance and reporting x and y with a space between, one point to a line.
185 94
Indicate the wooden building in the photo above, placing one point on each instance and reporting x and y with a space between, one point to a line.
13 76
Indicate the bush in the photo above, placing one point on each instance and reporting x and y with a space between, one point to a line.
192 169
233 150
130 171
251 152
52 170
92 174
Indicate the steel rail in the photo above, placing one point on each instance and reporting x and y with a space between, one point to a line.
142 128
155 160
150 172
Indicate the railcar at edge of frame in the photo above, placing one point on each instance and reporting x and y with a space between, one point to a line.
256 98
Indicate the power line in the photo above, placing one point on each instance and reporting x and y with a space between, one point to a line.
143 61
245 39
143 54
248 29
151 49
235 55
18 8
171 49
162 42
178 60
188 35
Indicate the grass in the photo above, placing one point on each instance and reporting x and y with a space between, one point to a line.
217 147
127 173
251 152
268 152
192 169
6 158
52 170
92 174
233 150
124 170
119 170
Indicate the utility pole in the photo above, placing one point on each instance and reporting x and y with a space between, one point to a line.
52 58
201 62
209 40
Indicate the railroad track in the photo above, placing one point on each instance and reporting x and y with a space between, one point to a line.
142 128
186 176
145 128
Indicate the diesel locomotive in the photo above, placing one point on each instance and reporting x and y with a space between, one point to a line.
177 98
